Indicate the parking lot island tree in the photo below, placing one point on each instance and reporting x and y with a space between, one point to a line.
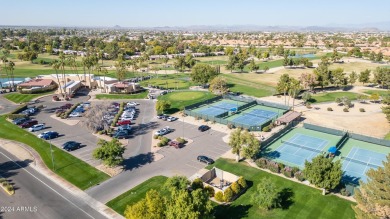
373 196
110 152
323 172
162 105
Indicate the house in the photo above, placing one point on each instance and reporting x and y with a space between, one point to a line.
37 85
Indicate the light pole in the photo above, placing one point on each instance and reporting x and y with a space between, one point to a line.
184 110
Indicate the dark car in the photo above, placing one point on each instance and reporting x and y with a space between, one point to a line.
71 145
28 124
121 134
205 159
48 135
19 121
203 128
175 144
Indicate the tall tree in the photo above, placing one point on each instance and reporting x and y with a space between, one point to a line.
110 152
253 66
323 172
338 76
162 105
382 76
250 145
231 63
56 66
151 207
353 77
283 85
235 142
373 196
202 73
364 76
294 89
218 85
266 195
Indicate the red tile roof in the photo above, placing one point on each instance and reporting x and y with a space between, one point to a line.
37 83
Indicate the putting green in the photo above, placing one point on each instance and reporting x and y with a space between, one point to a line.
188 95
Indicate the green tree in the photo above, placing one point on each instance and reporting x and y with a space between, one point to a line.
228 195
364 76
372 56
203 73
151 207
229 51
323 172
235 142
231 63
235 188
162 105
379 57
294 89
252 66
180 63
353 77
382 76
338 76
374 97
110 152
323 75
266 68
373 196
218 85
266 195
197 184
241 61
177 183
250 145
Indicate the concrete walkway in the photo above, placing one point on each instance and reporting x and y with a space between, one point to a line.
22 151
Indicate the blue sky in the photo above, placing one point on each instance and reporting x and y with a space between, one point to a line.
151 13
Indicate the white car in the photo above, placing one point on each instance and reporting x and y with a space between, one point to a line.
36 127
171 119
132 104
75 114
161 132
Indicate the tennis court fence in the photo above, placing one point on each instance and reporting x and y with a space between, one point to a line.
301 146
323 129
369 139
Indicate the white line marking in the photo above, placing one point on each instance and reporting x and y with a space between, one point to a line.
46 185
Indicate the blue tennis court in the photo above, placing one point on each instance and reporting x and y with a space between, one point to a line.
358 161
225 105
262 113
211 111
250 120
300 148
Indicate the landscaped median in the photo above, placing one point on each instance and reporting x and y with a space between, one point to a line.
72 169
140 95
6 186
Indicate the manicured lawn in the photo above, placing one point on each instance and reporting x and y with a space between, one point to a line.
303 202
23 98
331 97
180 99
72 169
135 194
172 81
387 137
237 84
380 92
141 95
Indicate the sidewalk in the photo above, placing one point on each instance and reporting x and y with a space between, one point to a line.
23 152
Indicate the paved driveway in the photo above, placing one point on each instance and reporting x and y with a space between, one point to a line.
6 106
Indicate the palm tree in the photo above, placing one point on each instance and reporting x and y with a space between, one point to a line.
5 68
62 63
295 88
11 65
84 61
104 80
71 60
56 65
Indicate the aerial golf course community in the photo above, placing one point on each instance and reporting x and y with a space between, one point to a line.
194 122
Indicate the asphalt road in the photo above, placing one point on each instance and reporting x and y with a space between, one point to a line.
36 196
6 106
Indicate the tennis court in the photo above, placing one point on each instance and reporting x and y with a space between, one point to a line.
358 161
255 117
218 107
300 148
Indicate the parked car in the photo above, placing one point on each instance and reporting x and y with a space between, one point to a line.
75 114
71 145
124 122
163 131
28 124
175 144
125 127
19 121
205 159
121 134
171 119
36 127
203 128
56 98
132 104
48 135
160 116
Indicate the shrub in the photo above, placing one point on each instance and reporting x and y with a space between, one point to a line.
273 166
345 110
266 129
155 136
205 120
2 180
219 196
197 118
262 162
281 166
159 144
228 195
308 105
19 109
210 191
230 126
181 140
329 109
197 184
235 188
345 192
213 122
362 110
10 188
16 116
294 170
299 176
287 171
242 182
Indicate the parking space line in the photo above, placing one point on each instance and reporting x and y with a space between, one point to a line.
197 168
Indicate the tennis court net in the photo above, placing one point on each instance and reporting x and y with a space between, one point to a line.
252 114
218 107
360 162
301 146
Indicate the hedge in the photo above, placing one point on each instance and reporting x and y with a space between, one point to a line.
69 111
19 109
